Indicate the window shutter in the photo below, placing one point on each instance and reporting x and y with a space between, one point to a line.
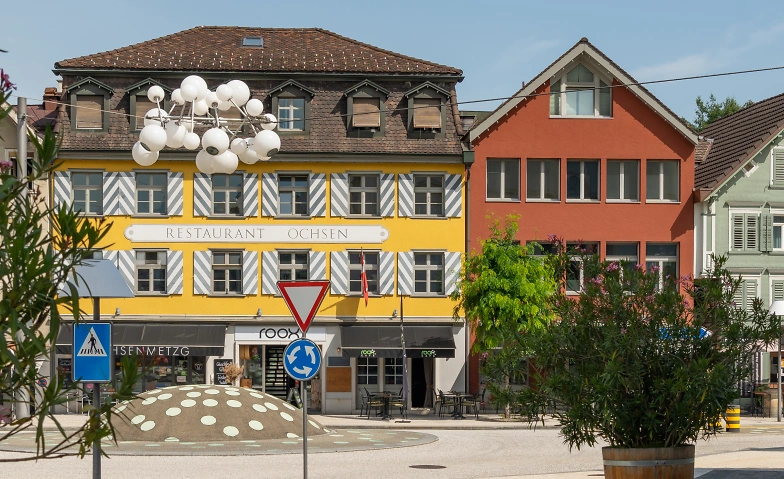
62 188
202 195
250 195
174 272
778 290
750 290
737 232
338 194
317 194
174 194
119 193
405 195
317 265
338 269
88 111
453 197
250 272
269 272
143 105
427 113
778 165
387 205
451 271
737 296
202 272
405 273
386 273
367 113
766 232
752 232
269 195
126 263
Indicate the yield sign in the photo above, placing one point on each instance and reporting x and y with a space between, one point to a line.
303 299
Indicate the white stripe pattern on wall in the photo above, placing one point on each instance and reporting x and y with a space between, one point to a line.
111 255
126 263
317 195
338 272
269 272
119 193
387 199
62 188
174 194
453 198
405 273
202 272
250 273
317 267
250 195
386 275
338 194
174 272
202 195
269 195
452 267
405 195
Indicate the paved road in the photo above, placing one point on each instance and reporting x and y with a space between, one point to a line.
463 454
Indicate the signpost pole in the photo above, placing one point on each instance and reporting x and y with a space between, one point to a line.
304 430
96 401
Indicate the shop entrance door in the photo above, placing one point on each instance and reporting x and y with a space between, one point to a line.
421 382
275 377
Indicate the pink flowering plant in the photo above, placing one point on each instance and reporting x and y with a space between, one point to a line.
638 358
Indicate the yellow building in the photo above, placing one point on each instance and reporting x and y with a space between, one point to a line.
203 253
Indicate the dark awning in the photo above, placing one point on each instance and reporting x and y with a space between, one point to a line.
149 338
384 341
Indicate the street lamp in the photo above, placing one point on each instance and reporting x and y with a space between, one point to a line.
777 308
223 145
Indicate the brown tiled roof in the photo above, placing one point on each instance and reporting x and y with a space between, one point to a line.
736 138
701 150
284 50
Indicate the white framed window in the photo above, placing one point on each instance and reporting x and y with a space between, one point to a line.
580 92
355 272
744 230
750 168
151 272
363 195
575 273
393 371
429 195
503 180
227 272
543 180
662 180
778 226
291 114
293 195
622 252
429 273
623 180
227 195
151 189
367 371
662 258
293 265
87 191
582 180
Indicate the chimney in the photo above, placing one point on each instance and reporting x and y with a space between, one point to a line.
50 99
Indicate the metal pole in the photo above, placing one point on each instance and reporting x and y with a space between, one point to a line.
778 373
97 401
22 401
304 430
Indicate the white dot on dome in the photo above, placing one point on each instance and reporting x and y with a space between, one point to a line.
194 394
171 439
208 420
154 391
164 397
119 409
138 419
230 431
147 426
204 386
149 401
257 395
259 408
188 403
210 402
233 403
289 406
232 393
286 416
256 425
271 406
314 424
291 435
232 389
186 388
173 411
212 391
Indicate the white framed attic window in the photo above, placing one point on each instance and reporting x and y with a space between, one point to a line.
580 93
750 168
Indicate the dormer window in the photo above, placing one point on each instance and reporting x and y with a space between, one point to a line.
427 113
291 114
291 104
252 42
90 105
140 104
367 113
427 104
366 108
580 92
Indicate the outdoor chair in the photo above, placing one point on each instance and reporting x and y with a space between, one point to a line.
363 406
398 403
436 401
373 403
445 401
474 403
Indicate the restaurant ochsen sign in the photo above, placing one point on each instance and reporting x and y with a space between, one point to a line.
184 233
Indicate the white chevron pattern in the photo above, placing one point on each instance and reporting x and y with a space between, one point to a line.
405 195
250 273
111 255
250 195
405 273
453 199
317 195
62 188
452 266
174 272
269 195
175 193
317 267
338 272
269 272
338 193
126 263
202 195
386 275
387 205
202 272
118 193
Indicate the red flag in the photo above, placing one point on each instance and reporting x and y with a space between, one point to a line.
364 276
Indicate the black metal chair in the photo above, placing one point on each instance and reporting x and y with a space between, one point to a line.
445 401
474 402
373 403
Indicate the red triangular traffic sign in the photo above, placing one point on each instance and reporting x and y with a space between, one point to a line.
303 299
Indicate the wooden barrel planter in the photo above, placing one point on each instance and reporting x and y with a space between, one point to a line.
649 463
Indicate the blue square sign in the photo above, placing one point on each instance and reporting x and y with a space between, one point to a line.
92 353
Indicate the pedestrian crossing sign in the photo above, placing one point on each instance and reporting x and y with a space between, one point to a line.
92 352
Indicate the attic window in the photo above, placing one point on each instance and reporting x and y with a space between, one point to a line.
252 42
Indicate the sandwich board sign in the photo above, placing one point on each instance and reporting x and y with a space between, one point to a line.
92 353
303 299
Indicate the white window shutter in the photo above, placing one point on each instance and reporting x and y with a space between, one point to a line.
453 196
405 273
778 165
766 232
317 265
126 263
387 204
174 194
174 272
405 195
202 272
269 196
338 194
752 232
269 272
338 269
119 193
317 195
250 273
737 295
778 290
452 267
202 195
250 195
386 273
62 188
737 232
750 286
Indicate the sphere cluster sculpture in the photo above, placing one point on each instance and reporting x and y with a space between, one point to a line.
222 144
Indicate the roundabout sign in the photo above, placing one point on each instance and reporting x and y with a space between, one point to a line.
302 359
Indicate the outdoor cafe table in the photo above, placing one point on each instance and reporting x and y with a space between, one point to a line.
459 398
385 399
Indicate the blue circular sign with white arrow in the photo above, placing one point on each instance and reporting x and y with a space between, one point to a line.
302 359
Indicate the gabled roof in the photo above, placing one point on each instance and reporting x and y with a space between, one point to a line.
369 84
297 85
148 81
215 48
737 138
424 85
585 47
92 80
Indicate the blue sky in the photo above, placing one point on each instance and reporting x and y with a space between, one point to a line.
497 44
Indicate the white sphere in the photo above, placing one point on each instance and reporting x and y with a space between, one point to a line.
269 122
238 146
155 94
212 99
215 141
240 92
200 107
199 83
175 134
187 123
189 92
249 156
266 143
176 97
224 92
226 162
191 141
264 158
254 107
153 137
225 106
205 162
143 156
152 118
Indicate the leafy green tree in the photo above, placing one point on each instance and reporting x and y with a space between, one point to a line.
709 111
504 293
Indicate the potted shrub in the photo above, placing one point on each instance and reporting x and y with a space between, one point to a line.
642 360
